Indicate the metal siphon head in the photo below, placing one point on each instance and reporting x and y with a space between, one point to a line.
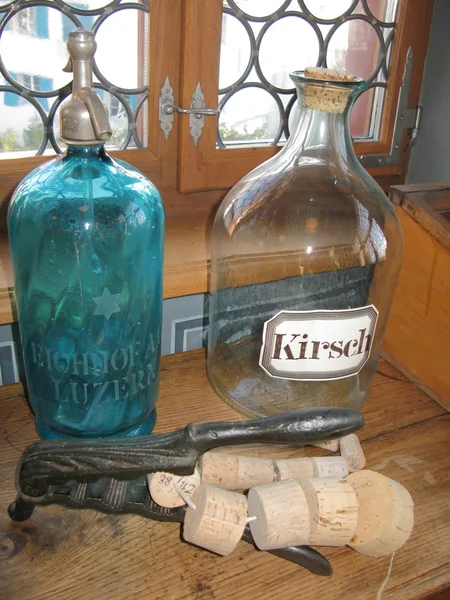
84 118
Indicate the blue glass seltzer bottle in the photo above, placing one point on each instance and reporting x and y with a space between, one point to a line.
86 235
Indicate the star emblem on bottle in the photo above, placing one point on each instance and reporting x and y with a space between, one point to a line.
106 304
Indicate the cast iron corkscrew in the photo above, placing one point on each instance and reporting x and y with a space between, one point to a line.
109 475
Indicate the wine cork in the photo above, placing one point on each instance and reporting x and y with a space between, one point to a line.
326 74
330 445
330 466
386 514
163 487
293 468
352 452
282 515
218 520
333 506
231 472
326 97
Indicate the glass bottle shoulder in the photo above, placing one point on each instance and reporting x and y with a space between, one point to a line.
73 182
312 209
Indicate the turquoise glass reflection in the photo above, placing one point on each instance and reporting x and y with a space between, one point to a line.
86 235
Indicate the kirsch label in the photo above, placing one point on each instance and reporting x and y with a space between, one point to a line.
318 345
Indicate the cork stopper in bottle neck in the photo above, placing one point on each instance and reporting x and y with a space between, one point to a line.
328 98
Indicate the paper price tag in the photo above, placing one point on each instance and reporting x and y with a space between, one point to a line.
162 487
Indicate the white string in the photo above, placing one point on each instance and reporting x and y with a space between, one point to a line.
185 497
383 585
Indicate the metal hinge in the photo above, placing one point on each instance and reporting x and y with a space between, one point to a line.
405 118
197 111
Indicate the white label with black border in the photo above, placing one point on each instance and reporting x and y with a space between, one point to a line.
318 345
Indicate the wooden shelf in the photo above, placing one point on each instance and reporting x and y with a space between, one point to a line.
72 554
418 331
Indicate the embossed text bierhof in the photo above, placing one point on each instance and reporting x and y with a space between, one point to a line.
125 364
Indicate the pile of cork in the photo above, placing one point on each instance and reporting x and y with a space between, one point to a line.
323 501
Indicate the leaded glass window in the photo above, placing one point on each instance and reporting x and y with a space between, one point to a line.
33 86
263 40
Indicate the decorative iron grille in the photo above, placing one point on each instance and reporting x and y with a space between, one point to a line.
321 29
33 34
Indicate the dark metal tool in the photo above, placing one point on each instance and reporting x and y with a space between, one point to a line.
109 474
131 497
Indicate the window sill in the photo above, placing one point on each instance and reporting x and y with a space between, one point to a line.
186 257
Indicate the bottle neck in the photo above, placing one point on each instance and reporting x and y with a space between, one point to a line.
320 136
86 151
82 75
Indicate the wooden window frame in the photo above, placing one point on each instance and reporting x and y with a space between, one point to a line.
185 44
176 167
207 167
158 160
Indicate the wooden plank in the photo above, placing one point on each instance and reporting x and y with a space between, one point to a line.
82 554
413 188
428 214
418 330
425 206
164 61
202 24
414 380
187 243
440 201
8 313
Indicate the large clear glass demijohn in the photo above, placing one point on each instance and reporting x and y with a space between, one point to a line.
305 254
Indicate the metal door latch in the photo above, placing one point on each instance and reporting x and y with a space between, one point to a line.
197 111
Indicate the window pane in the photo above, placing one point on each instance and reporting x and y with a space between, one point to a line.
263 40
33 85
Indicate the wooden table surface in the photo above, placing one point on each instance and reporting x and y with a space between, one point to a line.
69 554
